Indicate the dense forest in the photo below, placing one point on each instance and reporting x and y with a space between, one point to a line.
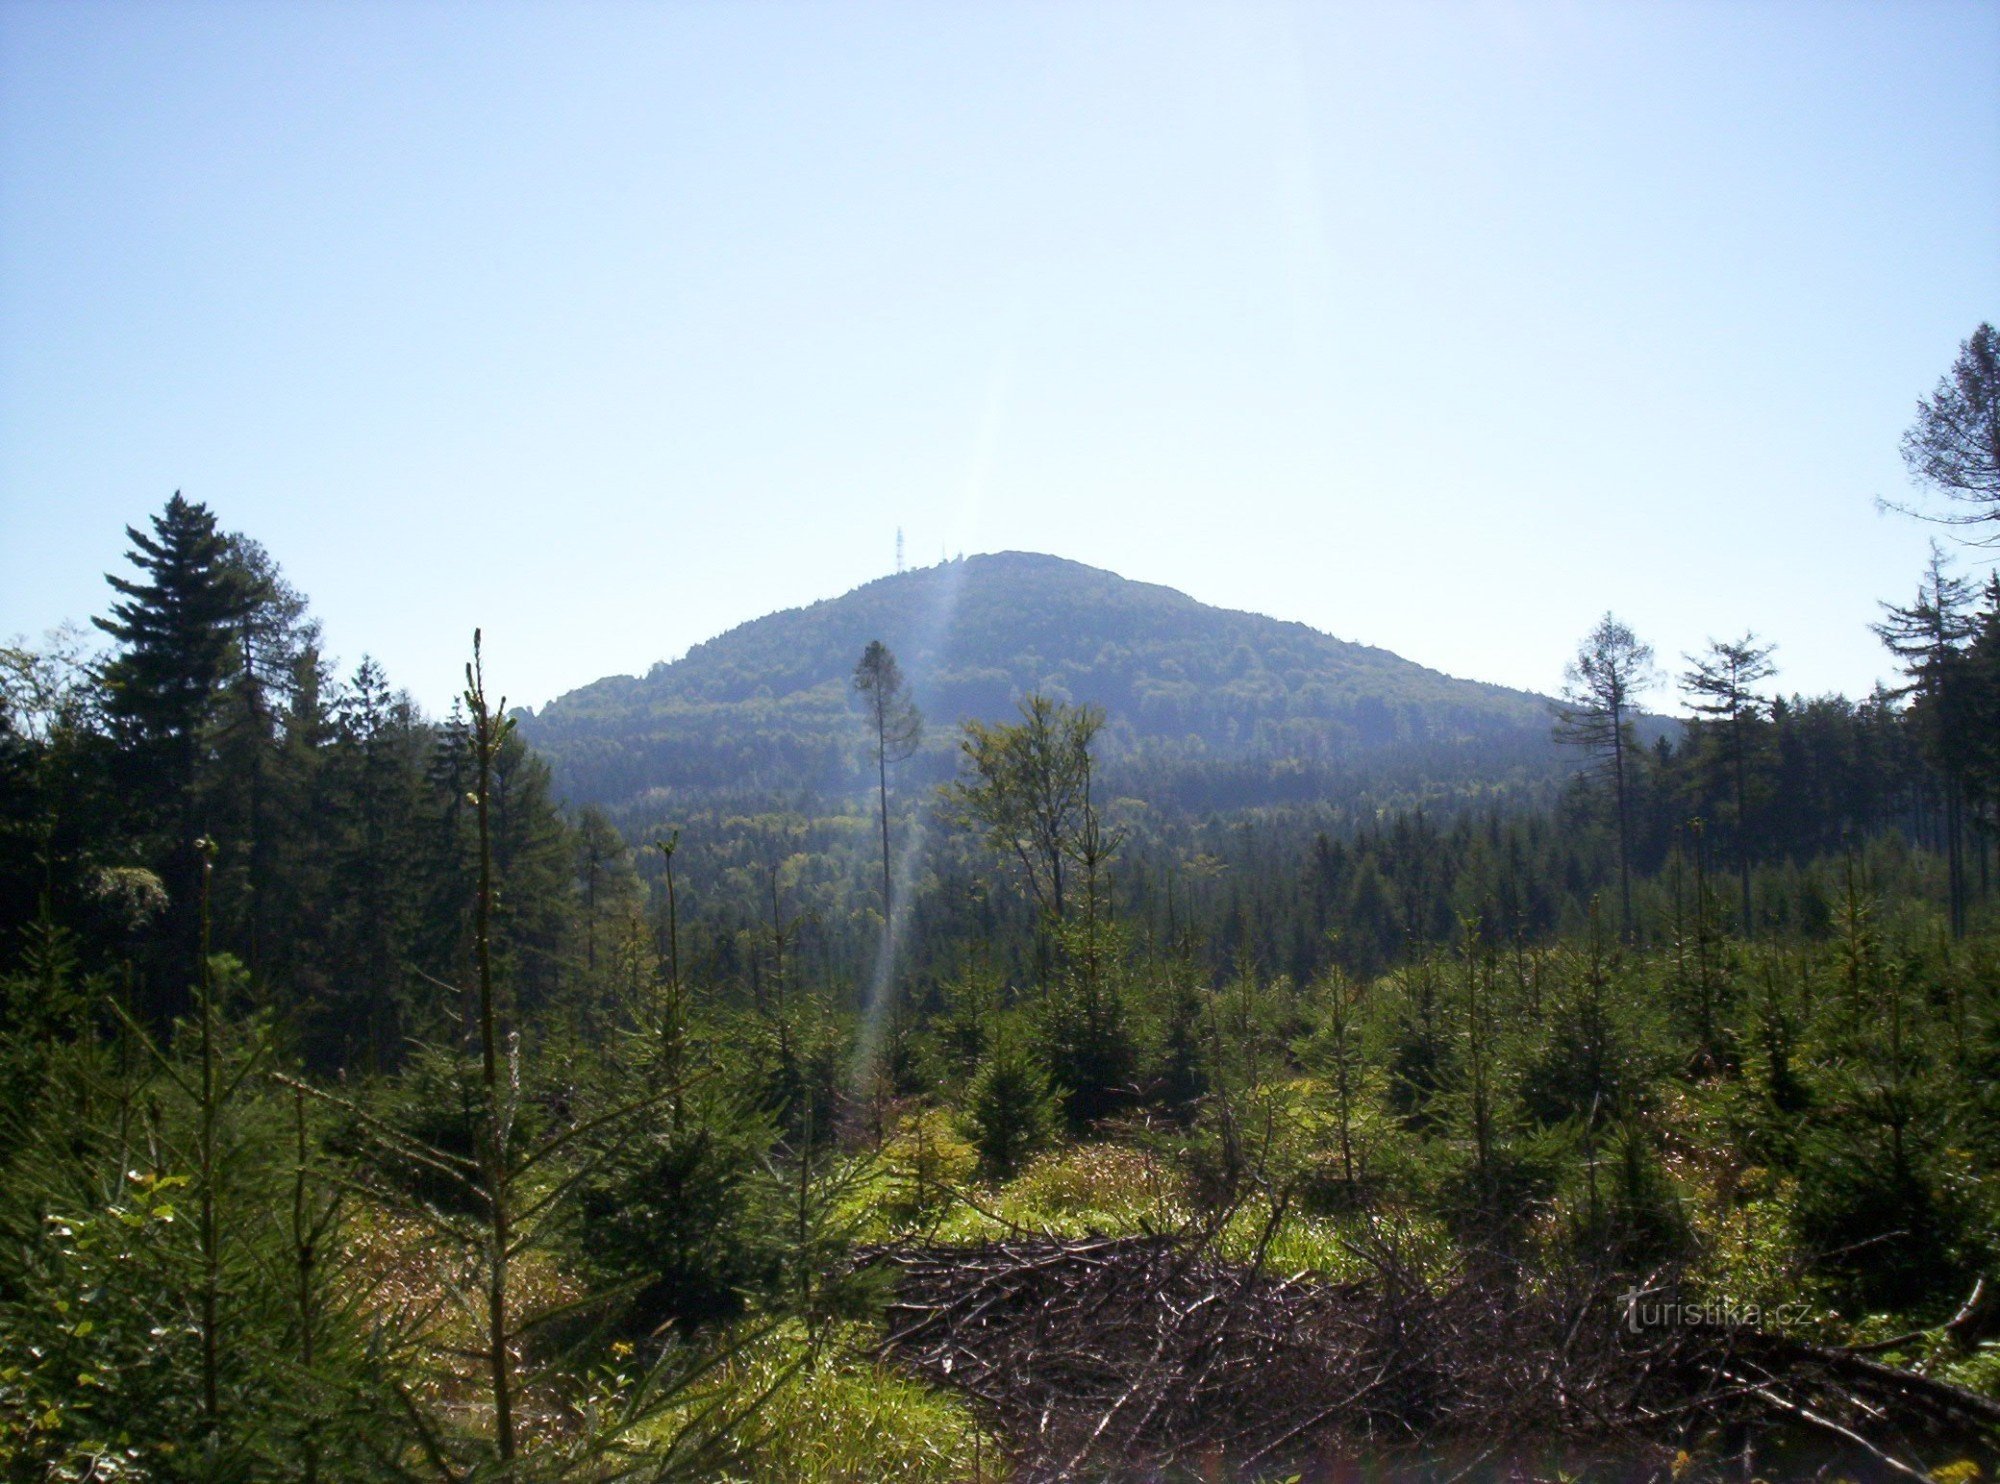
374 1109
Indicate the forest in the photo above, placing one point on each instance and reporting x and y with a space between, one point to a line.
372 1112
1186 687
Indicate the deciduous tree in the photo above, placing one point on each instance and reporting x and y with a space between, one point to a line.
1027 786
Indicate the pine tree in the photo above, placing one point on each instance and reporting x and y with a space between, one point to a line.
376 795
177 627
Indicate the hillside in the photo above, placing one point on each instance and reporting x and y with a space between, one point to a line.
767 706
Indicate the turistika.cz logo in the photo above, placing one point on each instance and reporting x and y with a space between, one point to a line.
1651 1309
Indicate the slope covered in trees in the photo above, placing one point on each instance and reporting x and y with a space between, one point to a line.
767 706
366 1115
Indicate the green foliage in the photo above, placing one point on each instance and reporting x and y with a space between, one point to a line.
477 1116
177 624
105 1258
685 1215
843 1419
104 1356
794 1062
925 1161
1585 1064
1084 1041
1182 1078
45 1003
1894 1232
829 1415
1011 1108
961 1032
1620 1202
1420 1049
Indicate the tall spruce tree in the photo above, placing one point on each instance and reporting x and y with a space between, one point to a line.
1720 684
176 627
1930 637
273 665
1983 675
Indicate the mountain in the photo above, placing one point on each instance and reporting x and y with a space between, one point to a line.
767 707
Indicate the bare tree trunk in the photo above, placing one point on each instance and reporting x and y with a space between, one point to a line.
493 1143
882 793
211 1230
1624 825
1742 829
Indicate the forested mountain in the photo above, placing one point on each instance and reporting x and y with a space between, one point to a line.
769 704
366 1115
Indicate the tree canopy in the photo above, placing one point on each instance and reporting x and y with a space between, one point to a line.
1952 449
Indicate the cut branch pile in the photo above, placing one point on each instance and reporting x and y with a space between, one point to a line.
1138 1357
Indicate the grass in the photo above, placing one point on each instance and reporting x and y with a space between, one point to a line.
834 1415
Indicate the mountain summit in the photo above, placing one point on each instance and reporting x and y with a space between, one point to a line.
767 706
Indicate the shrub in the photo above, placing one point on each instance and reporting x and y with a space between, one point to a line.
1012 1110
923 1160
686 1213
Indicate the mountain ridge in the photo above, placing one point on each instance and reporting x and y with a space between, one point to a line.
765 704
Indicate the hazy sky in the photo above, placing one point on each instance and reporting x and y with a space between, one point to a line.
607 327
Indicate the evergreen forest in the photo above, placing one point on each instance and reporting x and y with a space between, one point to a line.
1409 1081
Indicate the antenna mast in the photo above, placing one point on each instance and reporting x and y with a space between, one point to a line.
899 549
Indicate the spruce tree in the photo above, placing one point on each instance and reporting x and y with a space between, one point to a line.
176 627
1720 686
1931 638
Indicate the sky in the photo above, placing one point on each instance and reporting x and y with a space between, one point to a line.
605 327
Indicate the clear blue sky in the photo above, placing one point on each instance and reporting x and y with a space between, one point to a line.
1444 327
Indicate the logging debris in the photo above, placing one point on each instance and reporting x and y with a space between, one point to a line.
1151 1357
